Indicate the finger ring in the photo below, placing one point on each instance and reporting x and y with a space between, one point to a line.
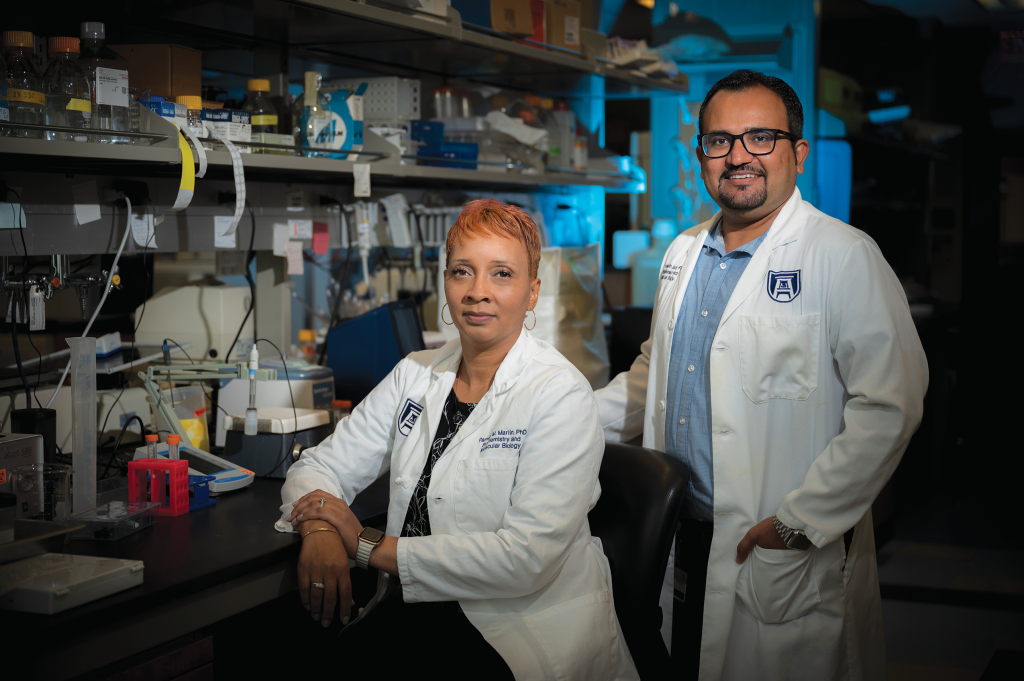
323 500
318 585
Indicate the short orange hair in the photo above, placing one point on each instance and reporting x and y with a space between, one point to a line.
488 216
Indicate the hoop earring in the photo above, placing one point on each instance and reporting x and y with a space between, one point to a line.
530 328
442 316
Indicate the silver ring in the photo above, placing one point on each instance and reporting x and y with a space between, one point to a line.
323 500
318 585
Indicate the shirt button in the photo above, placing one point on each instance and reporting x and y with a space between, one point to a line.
721 265
661 405
671 324
690 368
682 422
703 313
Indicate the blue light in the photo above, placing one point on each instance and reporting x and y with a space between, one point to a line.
889 114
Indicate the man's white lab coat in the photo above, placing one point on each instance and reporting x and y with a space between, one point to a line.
508 504
817 384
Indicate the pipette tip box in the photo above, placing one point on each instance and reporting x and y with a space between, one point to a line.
116 519
51 582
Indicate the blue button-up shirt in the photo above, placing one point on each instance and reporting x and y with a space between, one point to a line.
688 408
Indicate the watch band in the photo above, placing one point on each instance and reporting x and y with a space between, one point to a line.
363 553
793 539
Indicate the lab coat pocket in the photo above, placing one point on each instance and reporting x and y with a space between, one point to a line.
579 637
779 356
483 490
778 585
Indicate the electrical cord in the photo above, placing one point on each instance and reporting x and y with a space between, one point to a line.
334 308
295 412
103 299
124 428
189 358
15 309
252 285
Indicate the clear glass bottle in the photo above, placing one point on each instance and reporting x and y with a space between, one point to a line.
68 96
311 116
25 97
194 106
108 81
264 115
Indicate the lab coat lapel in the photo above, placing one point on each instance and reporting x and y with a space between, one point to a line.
441 380
785 229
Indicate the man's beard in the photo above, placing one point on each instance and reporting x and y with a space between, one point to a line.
746 198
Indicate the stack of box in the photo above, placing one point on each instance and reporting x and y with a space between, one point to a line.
230 124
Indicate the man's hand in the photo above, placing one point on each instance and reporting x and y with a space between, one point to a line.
764 535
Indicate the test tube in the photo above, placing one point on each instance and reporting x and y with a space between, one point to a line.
251 415
151 442
172 446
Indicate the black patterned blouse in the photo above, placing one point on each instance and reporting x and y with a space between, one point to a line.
417 521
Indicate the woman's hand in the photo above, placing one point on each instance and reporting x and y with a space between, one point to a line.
334 511
323 560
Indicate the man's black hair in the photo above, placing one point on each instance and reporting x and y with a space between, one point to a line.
744 79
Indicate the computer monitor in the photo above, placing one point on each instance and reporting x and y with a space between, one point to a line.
363 351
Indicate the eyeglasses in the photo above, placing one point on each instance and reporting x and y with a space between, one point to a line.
756 142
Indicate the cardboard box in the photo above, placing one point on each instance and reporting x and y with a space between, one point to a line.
165 70
512 16
563 23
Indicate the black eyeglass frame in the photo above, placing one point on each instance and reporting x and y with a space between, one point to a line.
732 141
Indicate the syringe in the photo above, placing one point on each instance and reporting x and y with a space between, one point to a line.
251 413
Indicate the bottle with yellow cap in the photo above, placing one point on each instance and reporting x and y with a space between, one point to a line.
108 78
68 95
25 98
307 345
257 103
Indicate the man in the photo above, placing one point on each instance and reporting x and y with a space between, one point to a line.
784 369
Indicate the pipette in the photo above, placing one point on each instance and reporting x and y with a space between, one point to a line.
251 413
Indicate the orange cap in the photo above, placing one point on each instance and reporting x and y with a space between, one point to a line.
62 45
191 102
173 439
532 100
18 39
152 438
344 404
307 335
257 85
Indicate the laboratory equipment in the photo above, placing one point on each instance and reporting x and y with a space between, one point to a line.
116 520
173 442
312 387
8 514
108 79
193 113
199 492
43 491
83 421
264 115
188 404
311 117
340 409
15 450
227 476
208 317
161 481
24 84
645 265
250 412
68 95
561 139
362 351
275 446
50 583
580 153
152 440
307 345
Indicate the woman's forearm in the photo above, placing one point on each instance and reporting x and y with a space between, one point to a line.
385 556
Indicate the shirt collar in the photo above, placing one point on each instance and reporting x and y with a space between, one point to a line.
715 241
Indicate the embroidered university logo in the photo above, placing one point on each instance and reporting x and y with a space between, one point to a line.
784 287
410 412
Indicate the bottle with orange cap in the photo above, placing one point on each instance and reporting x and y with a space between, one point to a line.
25 98
257 103
194 113
108 79
68 95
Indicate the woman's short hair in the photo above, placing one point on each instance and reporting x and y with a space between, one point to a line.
491 217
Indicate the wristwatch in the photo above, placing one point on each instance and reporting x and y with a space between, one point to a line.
793 539
369 539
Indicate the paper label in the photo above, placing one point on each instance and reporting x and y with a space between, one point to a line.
355 107
361 174
87 202
293 251
301 229
111 87
223 235
572 30
35 309
142 230
296 202
264 120
83 105
321 238
29 96
281 235
322 132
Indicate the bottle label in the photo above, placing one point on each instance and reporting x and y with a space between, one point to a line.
28 96
309 91
111 87
83 105
264 120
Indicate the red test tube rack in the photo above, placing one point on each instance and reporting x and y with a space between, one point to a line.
164 477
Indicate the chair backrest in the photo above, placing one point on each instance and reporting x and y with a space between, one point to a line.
642 494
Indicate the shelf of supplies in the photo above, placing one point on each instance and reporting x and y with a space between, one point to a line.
391 40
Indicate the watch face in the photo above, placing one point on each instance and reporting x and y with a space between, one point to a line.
372 535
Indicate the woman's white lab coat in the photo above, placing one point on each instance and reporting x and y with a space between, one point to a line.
817 384
508 504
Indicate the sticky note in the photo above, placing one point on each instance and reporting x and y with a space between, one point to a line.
281 235
321 238
87 202
142 230
223 235
293 249
301 229
361 173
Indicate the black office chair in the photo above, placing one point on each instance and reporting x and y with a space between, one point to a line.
641 498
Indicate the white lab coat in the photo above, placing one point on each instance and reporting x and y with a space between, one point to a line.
814 397
508 504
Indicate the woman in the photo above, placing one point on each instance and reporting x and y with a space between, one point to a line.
492 445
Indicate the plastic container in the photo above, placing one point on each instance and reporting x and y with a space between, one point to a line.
645 265
43 491
108 80
311 118
116 520
173 441
83 421
561 136
580 152
189 405
151 442
25 97
257 103
450 102
68 95
162 481
307 345
340 409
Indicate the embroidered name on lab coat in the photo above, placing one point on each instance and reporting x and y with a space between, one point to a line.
410 412
503 439
670 272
